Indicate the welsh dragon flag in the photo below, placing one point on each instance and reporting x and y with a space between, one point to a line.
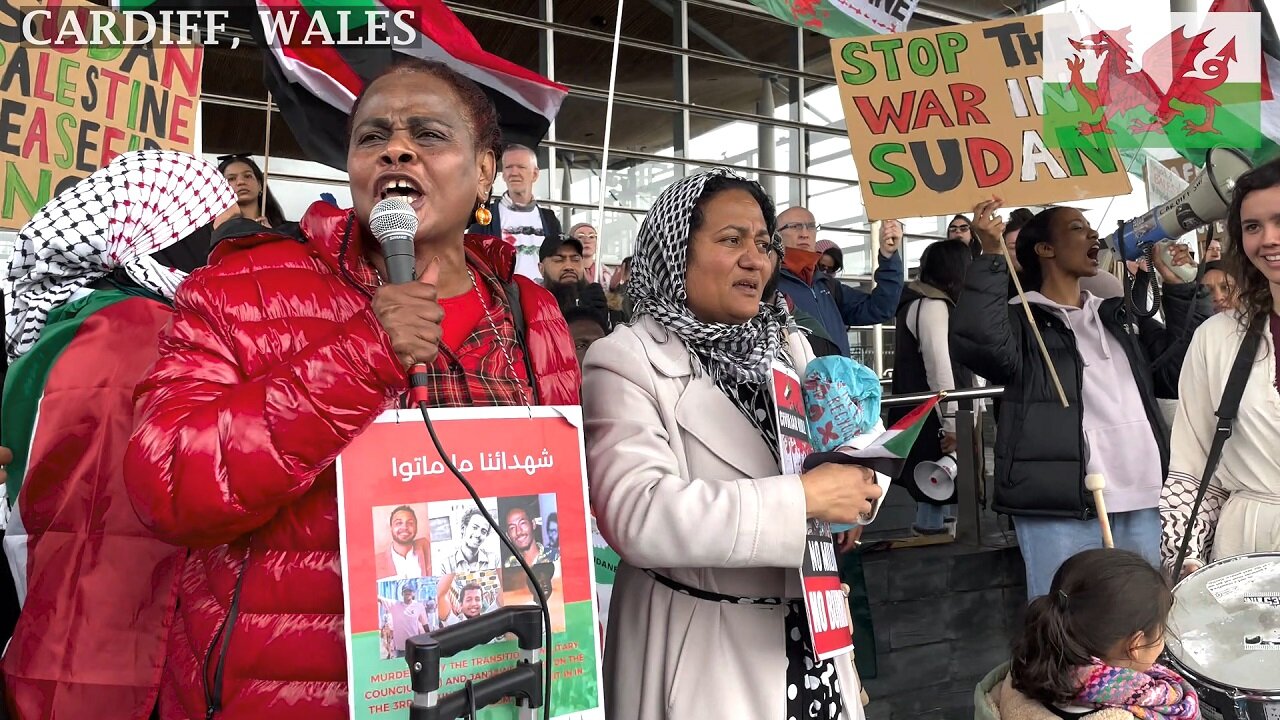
843 18
887 453
1269 107
1181 81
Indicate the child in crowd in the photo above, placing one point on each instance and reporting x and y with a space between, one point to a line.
1088 649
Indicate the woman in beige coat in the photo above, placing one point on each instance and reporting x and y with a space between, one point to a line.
682 457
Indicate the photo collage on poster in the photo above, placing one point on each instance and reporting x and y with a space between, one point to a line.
440 563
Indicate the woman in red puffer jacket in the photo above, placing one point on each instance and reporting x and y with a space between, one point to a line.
281 353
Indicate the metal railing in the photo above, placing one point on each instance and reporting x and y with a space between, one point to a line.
970 484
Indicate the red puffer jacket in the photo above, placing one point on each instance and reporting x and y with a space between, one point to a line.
274 363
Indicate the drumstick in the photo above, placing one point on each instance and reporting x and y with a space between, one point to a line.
1096 484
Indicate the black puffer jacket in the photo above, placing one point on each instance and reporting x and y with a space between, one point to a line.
1040 446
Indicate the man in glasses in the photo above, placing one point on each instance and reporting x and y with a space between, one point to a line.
831 305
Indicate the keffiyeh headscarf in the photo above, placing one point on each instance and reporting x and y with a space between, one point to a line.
140 203
737 353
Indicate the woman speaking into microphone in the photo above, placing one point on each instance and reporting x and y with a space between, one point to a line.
706 619
286 349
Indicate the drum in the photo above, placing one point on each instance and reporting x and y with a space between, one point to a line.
1224 636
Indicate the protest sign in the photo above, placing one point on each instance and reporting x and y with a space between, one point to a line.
940 119
66 111
826 606
418 555
1164 184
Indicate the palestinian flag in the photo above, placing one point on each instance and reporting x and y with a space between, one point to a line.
67 415
315 83
886 454
842 18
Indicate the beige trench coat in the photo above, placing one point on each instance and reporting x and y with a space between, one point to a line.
683 484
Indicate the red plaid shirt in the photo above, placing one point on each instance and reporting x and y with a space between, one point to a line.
488 368
478 373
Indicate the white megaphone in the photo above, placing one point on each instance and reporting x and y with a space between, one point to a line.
1205 200
937 480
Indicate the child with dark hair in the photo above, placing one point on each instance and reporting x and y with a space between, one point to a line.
1089 648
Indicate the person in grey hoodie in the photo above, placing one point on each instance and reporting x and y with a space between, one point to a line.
1112 365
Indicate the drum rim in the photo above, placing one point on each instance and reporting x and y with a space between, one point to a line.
1223 561
1249 693
1191 676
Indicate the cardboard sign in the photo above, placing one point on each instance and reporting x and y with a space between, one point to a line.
941 119
1163 185
68 111
418 556
826 606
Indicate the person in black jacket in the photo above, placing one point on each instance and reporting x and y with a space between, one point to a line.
922 361
1112 365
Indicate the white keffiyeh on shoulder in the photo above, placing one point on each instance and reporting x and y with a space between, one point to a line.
139 204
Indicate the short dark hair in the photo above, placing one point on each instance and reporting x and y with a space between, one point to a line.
954 218
837 255
593 315
1018 219
468 514
402 508
944 265
480 110
1037 230
468 588
1099 598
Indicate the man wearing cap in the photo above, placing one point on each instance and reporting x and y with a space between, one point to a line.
813 293
560 264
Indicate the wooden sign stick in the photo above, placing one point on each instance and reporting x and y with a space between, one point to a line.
1022 297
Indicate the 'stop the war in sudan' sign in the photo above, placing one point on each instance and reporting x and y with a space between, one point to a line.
940 119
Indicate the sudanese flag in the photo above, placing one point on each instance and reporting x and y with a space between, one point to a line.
315 84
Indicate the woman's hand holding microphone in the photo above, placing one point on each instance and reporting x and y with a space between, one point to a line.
840 493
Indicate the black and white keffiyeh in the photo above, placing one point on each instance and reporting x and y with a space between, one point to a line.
140 203
734 353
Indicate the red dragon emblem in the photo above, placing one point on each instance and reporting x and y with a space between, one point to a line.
1121 89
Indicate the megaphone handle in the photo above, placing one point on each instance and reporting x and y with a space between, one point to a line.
1103 519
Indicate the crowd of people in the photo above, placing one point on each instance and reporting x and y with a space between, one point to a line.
213 360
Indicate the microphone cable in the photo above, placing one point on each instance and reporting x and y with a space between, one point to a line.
424 407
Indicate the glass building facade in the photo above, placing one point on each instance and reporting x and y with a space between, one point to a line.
700 84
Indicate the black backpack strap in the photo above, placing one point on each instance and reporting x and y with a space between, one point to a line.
517 320
1228 408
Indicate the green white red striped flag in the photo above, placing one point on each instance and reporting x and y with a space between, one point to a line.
843 18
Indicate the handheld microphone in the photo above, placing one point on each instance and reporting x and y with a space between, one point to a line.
394 224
